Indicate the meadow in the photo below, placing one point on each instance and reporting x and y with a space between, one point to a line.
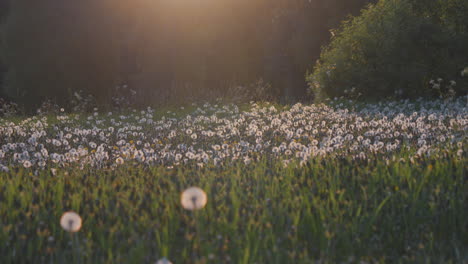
340 182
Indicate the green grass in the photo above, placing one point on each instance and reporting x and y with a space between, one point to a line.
330 210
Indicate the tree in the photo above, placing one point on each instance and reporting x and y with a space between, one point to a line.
4 6
165 50
53 48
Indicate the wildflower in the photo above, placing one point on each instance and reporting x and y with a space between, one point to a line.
119 161
163 261
216 147
4 168
193 198
27 164
70 221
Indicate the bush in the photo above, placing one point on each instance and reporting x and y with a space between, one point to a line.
395 45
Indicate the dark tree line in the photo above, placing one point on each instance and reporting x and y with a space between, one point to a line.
165 49
3 14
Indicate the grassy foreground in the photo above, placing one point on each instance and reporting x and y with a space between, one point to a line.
330 210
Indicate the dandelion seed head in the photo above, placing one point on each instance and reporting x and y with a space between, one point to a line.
27 164
193 198
71 222
163 261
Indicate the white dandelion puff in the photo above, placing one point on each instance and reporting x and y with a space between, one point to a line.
4 168
70 221
119 161
163 261
27 164
193 198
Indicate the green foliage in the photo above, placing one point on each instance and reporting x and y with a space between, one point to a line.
264 213
406 205
395 46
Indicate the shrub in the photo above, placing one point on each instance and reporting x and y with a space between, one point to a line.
394 45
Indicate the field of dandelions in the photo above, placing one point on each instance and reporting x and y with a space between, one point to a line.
260 183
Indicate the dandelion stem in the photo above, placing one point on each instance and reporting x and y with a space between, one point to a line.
196 244
72 238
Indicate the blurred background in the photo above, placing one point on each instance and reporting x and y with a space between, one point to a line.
180 51
165 50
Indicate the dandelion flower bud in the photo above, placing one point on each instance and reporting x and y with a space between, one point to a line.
193 198
70 221
163 261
